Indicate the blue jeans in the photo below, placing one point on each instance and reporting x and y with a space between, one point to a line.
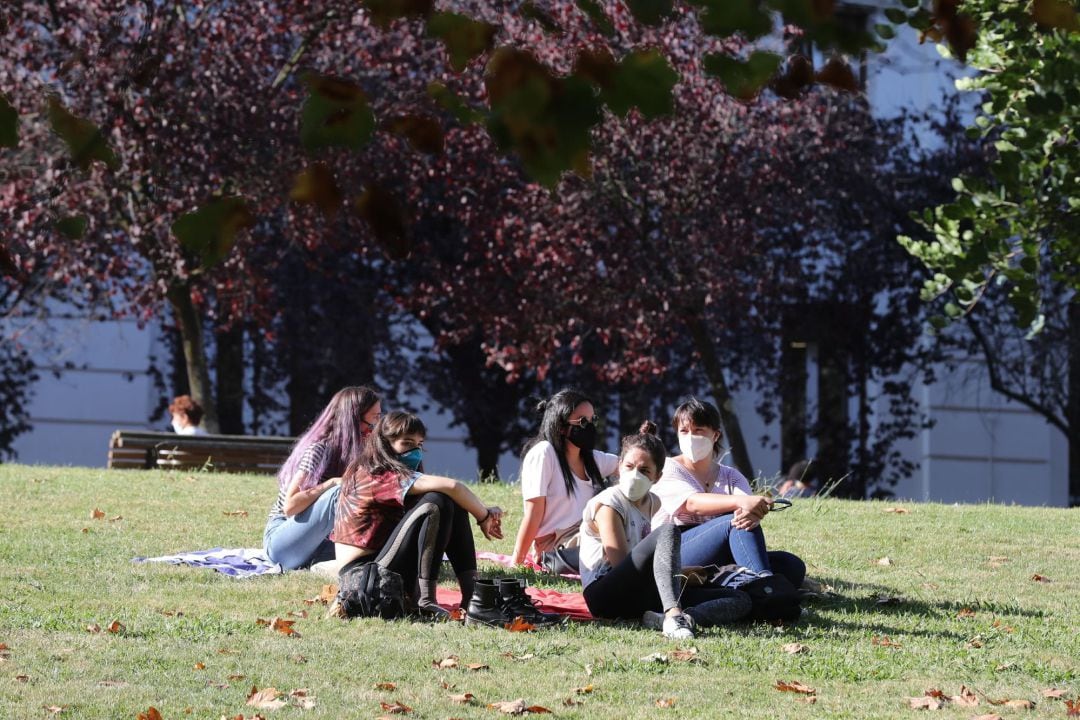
717 543
302 539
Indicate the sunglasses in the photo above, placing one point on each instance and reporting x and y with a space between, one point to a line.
584 422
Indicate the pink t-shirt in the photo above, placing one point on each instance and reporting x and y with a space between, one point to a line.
677 484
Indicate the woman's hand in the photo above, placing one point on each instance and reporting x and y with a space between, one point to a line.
750 511
491 525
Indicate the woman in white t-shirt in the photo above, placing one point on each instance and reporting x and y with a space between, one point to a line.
560 473
713 504
630 572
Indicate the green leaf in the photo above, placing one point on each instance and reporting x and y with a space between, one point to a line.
72 227
596 13
9 124
743 80
885 31
85 141
650 12
724 18
464 37
644 80
210 232
385 12
896 16
335 114
449 101
545 119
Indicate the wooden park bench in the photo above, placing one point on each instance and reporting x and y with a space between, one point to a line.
140 449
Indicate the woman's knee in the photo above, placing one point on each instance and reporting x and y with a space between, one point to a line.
789 565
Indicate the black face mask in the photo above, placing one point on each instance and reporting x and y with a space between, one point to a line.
583 437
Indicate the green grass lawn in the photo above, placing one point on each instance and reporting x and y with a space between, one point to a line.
956 600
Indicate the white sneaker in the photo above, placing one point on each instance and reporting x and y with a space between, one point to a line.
678 627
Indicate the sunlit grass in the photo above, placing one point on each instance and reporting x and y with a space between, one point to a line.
956 601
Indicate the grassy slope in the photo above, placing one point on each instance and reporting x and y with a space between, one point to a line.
56 578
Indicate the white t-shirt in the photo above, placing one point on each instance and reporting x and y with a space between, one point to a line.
677 484
636 525
541 476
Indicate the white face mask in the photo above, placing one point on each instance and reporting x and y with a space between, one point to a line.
177 427
696 447
634 484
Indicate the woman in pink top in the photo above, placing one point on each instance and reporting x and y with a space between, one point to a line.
713 504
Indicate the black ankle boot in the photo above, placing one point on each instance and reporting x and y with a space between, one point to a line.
485 606
516 602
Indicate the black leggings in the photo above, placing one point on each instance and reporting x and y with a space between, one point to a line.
433 525
630 588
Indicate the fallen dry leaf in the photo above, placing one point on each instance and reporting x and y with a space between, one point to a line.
328 593
537 710
1053 693
477 667
450 661
114 519
1004 628
1004 666
795 648
457 614
1072 708
794 686
510 707
200 666
93 628
265 699
462 699
283 626
298 659
85 530
888 600
226 651
966 698
689 655
5 651
235 513
302 699
966 613
991 716
302 614
884 562
808 699
665 702
385 686
150 714
96 514
897 510
236 676
22 678
447 686
54 709
1022 704
925 703
395 708
884 642
656 657
519 624
583 690
935 693
998 559
571 702
262 622
975 642
116 627
1040 578
512 656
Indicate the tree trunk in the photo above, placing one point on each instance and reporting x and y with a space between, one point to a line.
722 394
1072 411
230 380
832 426
194 353
793 378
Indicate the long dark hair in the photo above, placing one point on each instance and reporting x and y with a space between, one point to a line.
703 414
338 425
379 455
556 413
647 440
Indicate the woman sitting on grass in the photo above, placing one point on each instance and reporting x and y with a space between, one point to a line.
560 473
303 515
629 572
391 513
713 504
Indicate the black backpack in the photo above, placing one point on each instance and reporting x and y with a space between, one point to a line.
774 598
367 589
